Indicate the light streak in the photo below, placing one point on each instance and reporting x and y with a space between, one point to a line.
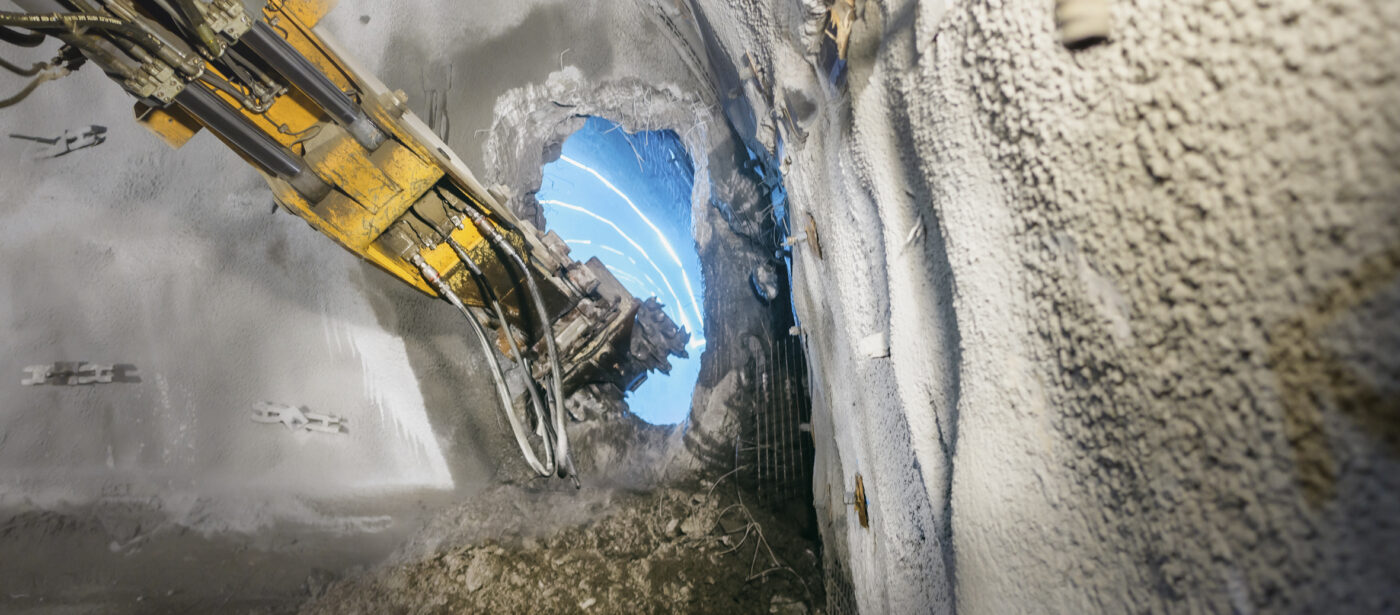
623 255
623 275
695 305
685 320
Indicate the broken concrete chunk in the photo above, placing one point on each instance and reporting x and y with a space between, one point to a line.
784 605
700 523
479 571
732 525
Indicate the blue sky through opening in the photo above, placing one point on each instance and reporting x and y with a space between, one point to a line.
625 198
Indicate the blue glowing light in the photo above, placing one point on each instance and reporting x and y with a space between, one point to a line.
625 198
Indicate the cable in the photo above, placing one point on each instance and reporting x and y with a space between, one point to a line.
21 39
247 100
490 232
541 413
64 21
33 85
543 428
547 330
200 23
22 71
72 21
434 279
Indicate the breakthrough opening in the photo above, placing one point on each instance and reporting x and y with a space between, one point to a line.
625 198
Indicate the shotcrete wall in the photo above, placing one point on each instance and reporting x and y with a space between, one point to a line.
1101 330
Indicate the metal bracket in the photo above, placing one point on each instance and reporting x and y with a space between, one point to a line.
862 512
297 419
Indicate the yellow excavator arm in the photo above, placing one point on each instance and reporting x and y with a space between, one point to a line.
343 152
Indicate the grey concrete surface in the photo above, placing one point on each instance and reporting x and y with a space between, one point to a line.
1126 289
1139 299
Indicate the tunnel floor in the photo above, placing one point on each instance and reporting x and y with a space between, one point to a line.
695 547
127 556
700 547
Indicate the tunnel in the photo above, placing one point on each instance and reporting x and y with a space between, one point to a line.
864 306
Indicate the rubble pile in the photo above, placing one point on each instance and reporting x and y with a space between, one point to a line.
697 549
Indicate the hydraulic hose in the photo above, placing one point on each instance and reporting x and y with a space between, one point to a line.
166 45
299 72
22 71
559 439
203 104
103 52
434 279
60 21
202 31
21 39
547 330
490 295
71 22
44 77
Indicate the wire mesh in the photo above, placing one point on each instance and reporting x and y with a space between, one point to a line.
776 448
840 595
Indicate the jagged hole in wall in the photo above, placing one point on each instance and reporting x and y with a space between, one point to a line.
625 199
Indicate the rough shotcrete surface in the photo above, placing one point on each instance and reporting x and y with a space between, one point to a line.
1204 220
1102 330
1139 301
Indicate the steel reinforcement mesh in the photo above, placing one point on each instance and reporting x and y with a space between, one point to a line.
775 447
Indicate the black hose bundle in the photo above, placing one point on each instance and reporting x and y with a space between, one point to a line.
434 279
556 388
75 23
21 39
60 21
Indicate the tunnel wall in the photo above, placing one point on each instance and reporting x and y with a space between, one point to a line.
1102 330
173 262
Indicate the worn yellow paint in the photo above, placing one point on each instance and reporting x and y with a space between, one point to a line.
172 125
358 223
442 259
297 30
345 164
291 119
306 12
372 191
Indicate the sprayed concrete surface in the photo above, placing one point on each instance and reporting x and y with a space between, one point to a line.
1101 330
1139 300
